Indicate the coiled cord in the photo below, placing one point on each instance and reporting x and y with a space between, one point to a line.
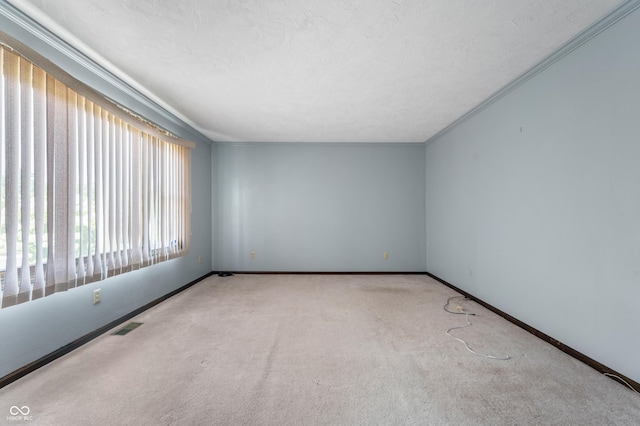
460 310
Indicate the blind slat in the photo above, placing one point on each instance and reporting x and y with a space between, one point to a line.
126 196
11 69
90 138
71 158
109 181
61 197
146 201
50 279
3 256
40 175
82 197
98 132
118 194
26 142
136 174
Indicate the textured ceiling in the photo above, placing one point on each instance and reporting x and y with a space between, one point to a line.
318 70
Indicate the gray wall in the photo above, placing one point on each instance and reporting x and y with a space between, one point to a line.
319 207
34 329
544 222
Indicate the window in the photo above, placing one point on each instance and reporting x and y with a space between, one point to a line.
87 189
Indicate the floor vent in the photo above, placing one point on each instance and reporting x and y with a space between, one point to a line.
129 327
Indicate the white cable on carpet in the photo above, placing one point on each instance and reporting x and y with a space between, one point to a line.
621 379
460 310
459 307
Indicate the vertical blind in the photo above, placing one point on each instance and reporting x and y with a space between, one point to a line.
86 191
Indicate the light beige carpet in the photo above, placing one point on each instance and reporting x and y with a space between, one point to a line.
318 350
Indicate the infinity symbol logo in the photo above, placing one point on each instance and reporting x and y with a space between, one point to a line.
15 410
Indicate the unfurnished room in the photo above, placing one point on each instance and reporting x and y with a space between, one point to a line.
339 212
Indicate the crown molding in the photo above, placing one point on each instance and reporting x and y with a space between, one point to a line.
27 30
601 25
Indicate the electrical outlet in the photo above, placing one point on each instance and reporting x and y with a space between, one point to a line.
386 255
97 296
253 255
